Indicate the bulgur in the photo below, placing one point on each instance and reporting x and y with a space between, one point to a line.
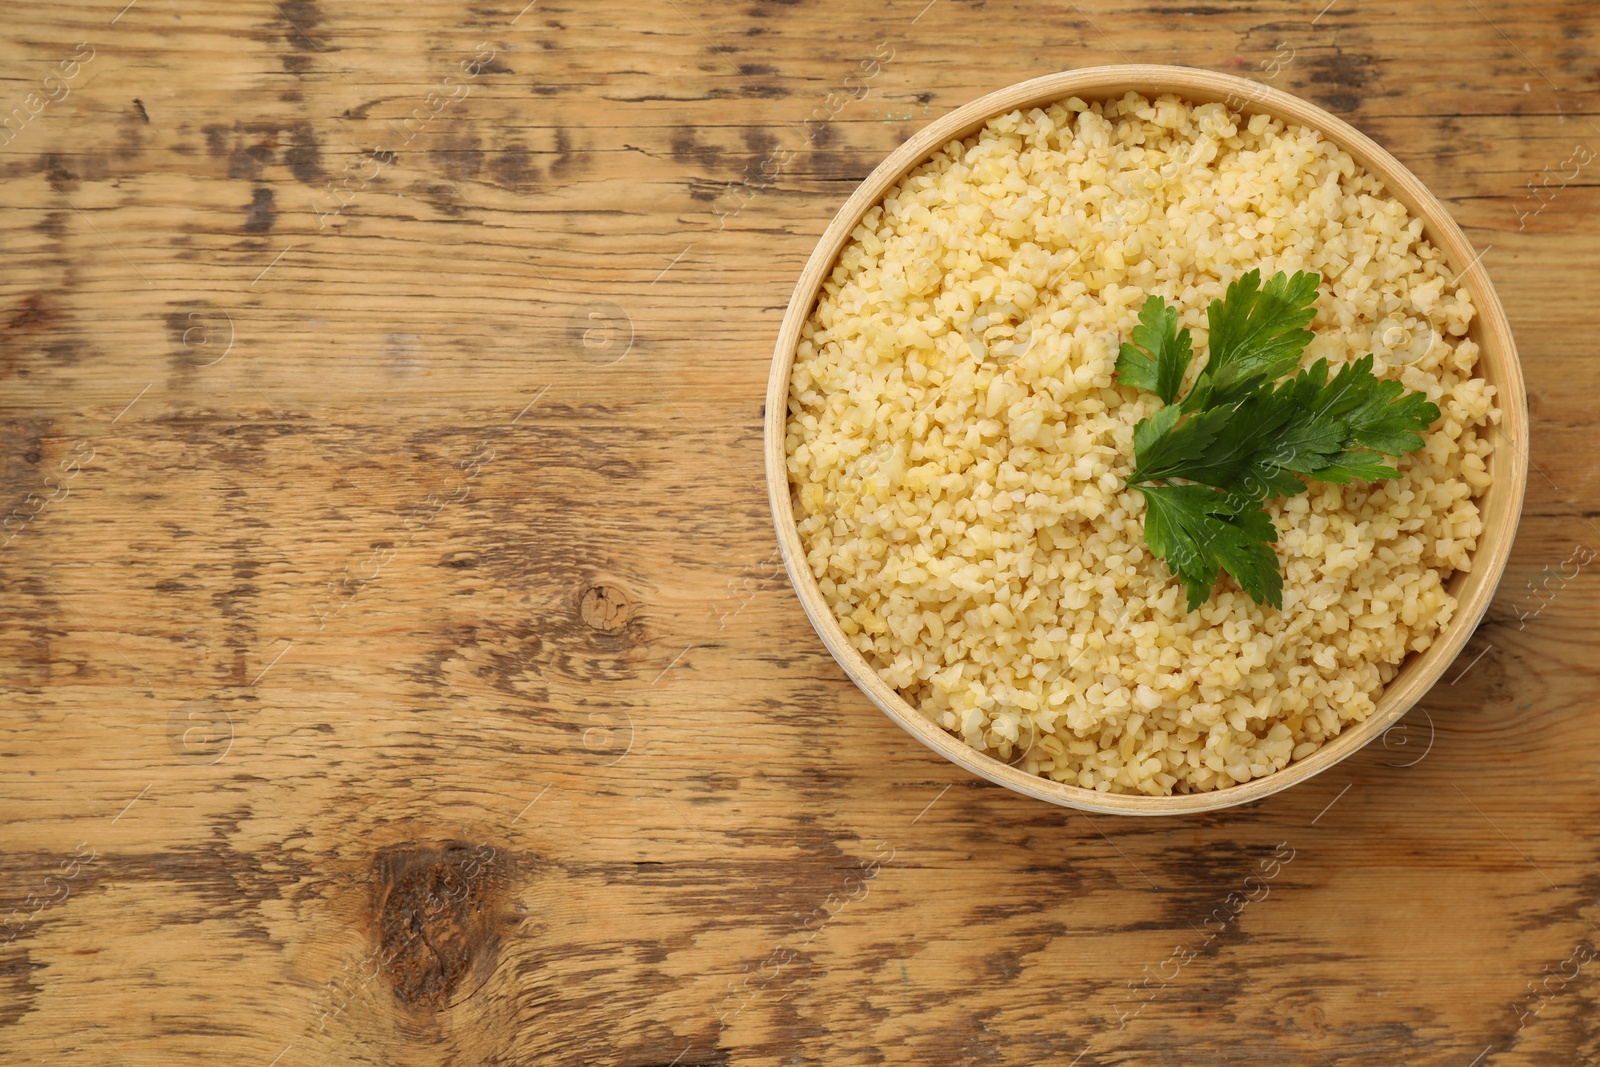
958 447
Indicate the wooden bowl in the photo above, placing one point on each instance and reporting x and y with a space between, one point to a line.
1500 507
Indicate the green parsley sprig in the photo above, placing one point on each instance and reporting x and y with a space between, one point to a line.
1207 464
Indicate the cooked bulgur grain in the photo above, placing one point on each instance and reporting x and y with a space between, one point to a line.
963 508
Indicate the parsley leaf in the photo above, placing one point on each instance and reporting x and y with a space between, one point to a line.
1198 530
1225 447
1162 354
1164 448
1257 336
1207 465
1346 425
1386 418
1357 465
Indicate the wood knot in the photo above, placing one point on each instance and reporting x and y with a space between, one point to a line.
606 608
435 925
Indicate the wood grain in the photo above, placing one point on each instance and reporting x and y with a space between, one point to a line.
313 608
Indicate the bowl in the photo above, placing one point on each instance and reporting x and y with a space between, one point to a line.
1500 507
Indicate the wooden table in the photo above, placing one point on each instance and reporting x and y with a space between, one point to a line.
397 668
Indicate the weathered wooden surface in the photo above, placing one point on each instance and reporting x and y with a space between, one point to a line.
359 712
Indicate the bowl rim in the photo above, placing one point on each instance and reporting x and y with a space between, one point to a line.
1498 359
